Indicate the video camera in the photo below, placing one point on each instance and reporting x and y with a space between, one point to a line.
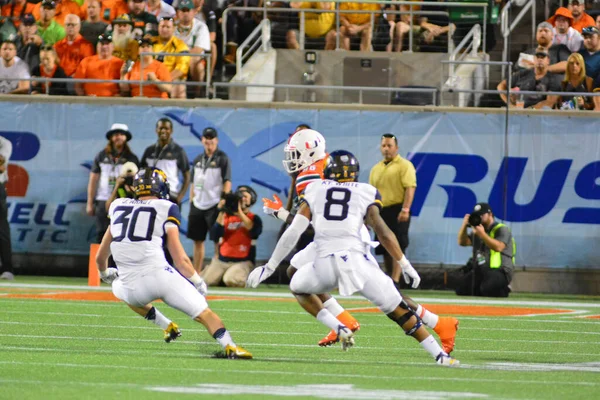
232 201
474 219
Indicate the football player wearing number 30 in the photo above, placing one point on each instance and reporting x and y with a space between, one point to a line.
135 238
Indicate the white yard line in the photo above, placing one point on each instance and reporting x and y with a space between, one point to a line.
250 293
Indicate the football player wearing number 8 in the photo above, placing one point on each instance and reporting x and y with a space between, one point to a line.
338 209
305 156
135 238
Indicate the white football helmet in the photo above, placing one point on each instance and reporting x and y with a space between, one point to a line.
303 148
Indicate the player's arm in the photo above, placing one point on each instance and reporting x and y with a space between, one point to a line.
388 240
104 252
275 207
285 244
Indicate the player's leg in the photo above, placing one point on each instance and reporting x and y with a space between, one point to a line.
130 295
306 257
180 294
380 290
308 280
444 327
153 315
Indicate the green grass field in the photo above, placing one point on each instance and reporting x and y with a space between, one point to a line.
69 349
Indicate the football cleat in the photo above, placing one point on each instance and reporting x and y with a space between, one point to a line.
172 332
446 329
235 352
446 360
346 337
332 336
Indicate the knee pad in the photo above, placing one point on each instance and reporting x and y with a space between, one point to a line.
406 317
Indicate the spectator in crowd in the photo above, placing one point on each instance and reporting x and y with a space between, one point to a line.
124 42
177 65
16 10
598 21
207 12
235 232
429 31
563 31
160 9
124 184
28 42
396 180
106 168
194 33
167 155
93 26
490 269
144 23
6 268
558 52
73 48
105 11
537 79
576 81
591 51
580 18
240 25
49 68
62 8
12 68
146 69
101 66
356 25
49 30
316 25
211 178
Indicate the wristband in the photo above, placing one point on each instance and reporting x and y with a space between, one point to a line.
195 279
282 214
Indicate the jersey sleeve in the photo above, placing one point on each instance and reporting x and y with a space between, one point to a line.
174 215
96 163
311 174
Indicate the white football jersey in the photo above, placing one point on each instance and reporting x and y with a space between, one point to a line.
138 228
338 211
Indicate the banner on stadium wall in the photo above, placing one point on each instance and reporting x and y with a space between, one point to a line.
545 185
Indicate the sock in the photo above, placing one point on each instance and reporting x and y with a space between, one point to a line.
429 319
333 306
158 318
326 318
223 337
432 346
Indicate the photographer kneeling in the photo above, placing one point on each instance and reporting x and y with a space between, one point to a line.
236 231
124 184
490 269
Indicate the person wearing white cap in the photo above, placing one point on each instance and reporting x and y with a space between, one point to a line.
106 168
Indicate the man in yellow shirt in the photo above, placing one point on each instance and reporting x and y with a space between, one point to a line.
396 180
316 25
178 66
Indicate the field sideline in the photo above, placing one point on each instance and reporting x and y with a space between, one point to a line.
60 339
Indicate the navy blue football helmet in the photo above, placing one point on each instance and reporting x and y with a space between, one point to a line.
151 182
341 166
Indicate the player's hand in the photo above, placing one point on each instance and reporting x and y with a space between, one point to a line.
258 275
270 207
109 275
201 287
411 277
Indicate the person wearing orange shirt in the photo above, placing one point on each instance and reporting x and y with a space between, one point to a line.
580 18
146 69
108 9
16 9
101 66
63 8
73 48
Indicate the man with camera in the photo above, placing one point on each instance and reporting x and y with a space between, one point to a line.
235 231
211 179
124 184
489 271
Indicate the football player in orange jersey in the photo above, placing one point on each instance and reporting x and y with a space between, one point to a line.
305 158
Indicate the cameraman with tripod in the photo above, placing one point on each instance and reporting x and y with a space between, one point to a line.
489 271
235 232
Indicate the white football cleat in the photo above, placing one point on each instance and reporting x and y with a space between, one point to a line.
446 360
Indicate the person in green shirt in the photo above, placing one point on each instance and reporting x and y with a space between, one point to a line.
49 30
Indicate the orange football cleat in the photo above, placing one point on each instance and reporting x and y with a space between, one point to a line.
446 329
346 319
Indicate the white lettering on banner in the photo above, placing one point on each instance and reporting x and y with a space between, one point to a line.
317 391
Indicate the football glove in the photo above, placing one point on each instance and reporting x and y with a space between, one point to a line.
275 207
411 277
258 275
109 275
199 284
